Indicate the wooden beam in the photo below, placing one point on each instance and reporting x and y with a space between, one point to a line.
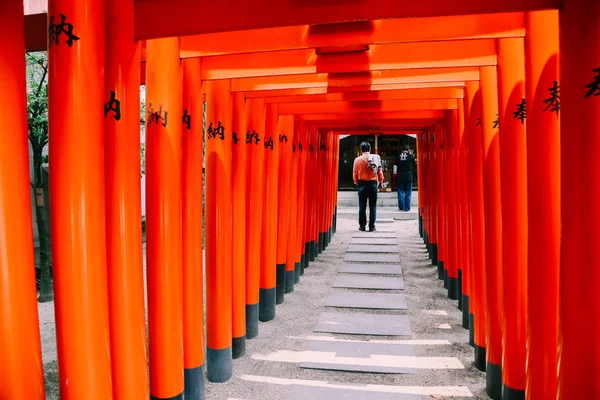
424 75
428 93
167 18
398 56
378 116
365 106
384 31
352 89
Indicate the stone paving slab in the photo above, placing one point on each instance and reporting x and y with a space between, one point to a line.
376 234
374 369
382 269
379 301
372 248
368 282
361 349
384 221
298 392
364 324
372 258
382 241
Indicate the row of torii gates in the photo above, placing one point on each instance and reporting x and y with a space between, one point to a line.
507 107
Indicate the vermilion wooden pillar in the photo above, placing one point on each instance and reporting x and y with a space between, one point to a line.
292 263
22 374
310 210
268 268
285 137
441 248
493 229
477 222
255 197
302 216
77 196
164 111
579 311
123 206
193 288
543 197
238 218
219 142
425 162
450 203
420 183
513 173
464 261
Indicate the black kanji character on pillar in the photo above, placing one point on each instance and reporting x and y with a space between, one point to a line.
154 117
187 120
497 121
293 147
269 143
311 148
300 146
113 105
55 30
553 102
219 130
283 138
595 85
235 137
252 136
323 147
478 121
520 113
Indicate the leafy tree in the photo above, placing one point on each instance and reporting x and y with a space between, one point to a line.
37 113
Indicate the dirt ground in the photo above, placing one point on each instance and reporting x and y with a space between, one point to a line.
300 312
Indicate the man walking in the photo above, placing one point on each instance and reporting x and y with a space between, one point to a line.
404 177
368 175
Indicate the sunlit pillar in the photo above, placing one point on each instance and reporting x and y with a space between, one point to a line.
76 48
22 374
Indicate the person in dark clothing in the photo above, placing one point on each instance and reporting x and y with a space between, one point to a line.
404 178
368 175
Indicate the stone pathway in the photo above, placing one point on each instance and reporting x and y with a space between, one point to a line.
361 344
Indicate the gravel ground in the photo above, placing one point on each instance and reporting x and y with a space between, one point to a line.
299 315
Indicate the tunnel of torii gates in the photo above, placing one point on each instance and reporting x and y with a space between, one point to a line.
281 81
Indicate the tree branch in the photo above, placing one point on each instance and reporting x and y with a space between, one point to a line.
39 88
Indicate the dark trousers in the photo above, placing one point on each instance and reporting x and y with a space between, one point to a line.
404 193
367 190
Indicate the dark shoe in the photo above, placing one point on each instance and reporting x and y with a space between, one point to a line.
362 228
372 229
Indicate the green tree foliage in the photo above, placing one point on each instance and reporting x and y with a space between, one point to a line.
37 115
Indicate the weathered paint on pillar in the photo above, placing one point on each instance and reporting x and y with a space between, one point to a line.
22 374
493 229
193 288
268 272
238 217
285 137
164 111
77 197
477 222
579 310
219 142
255 167
543 200
513 175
